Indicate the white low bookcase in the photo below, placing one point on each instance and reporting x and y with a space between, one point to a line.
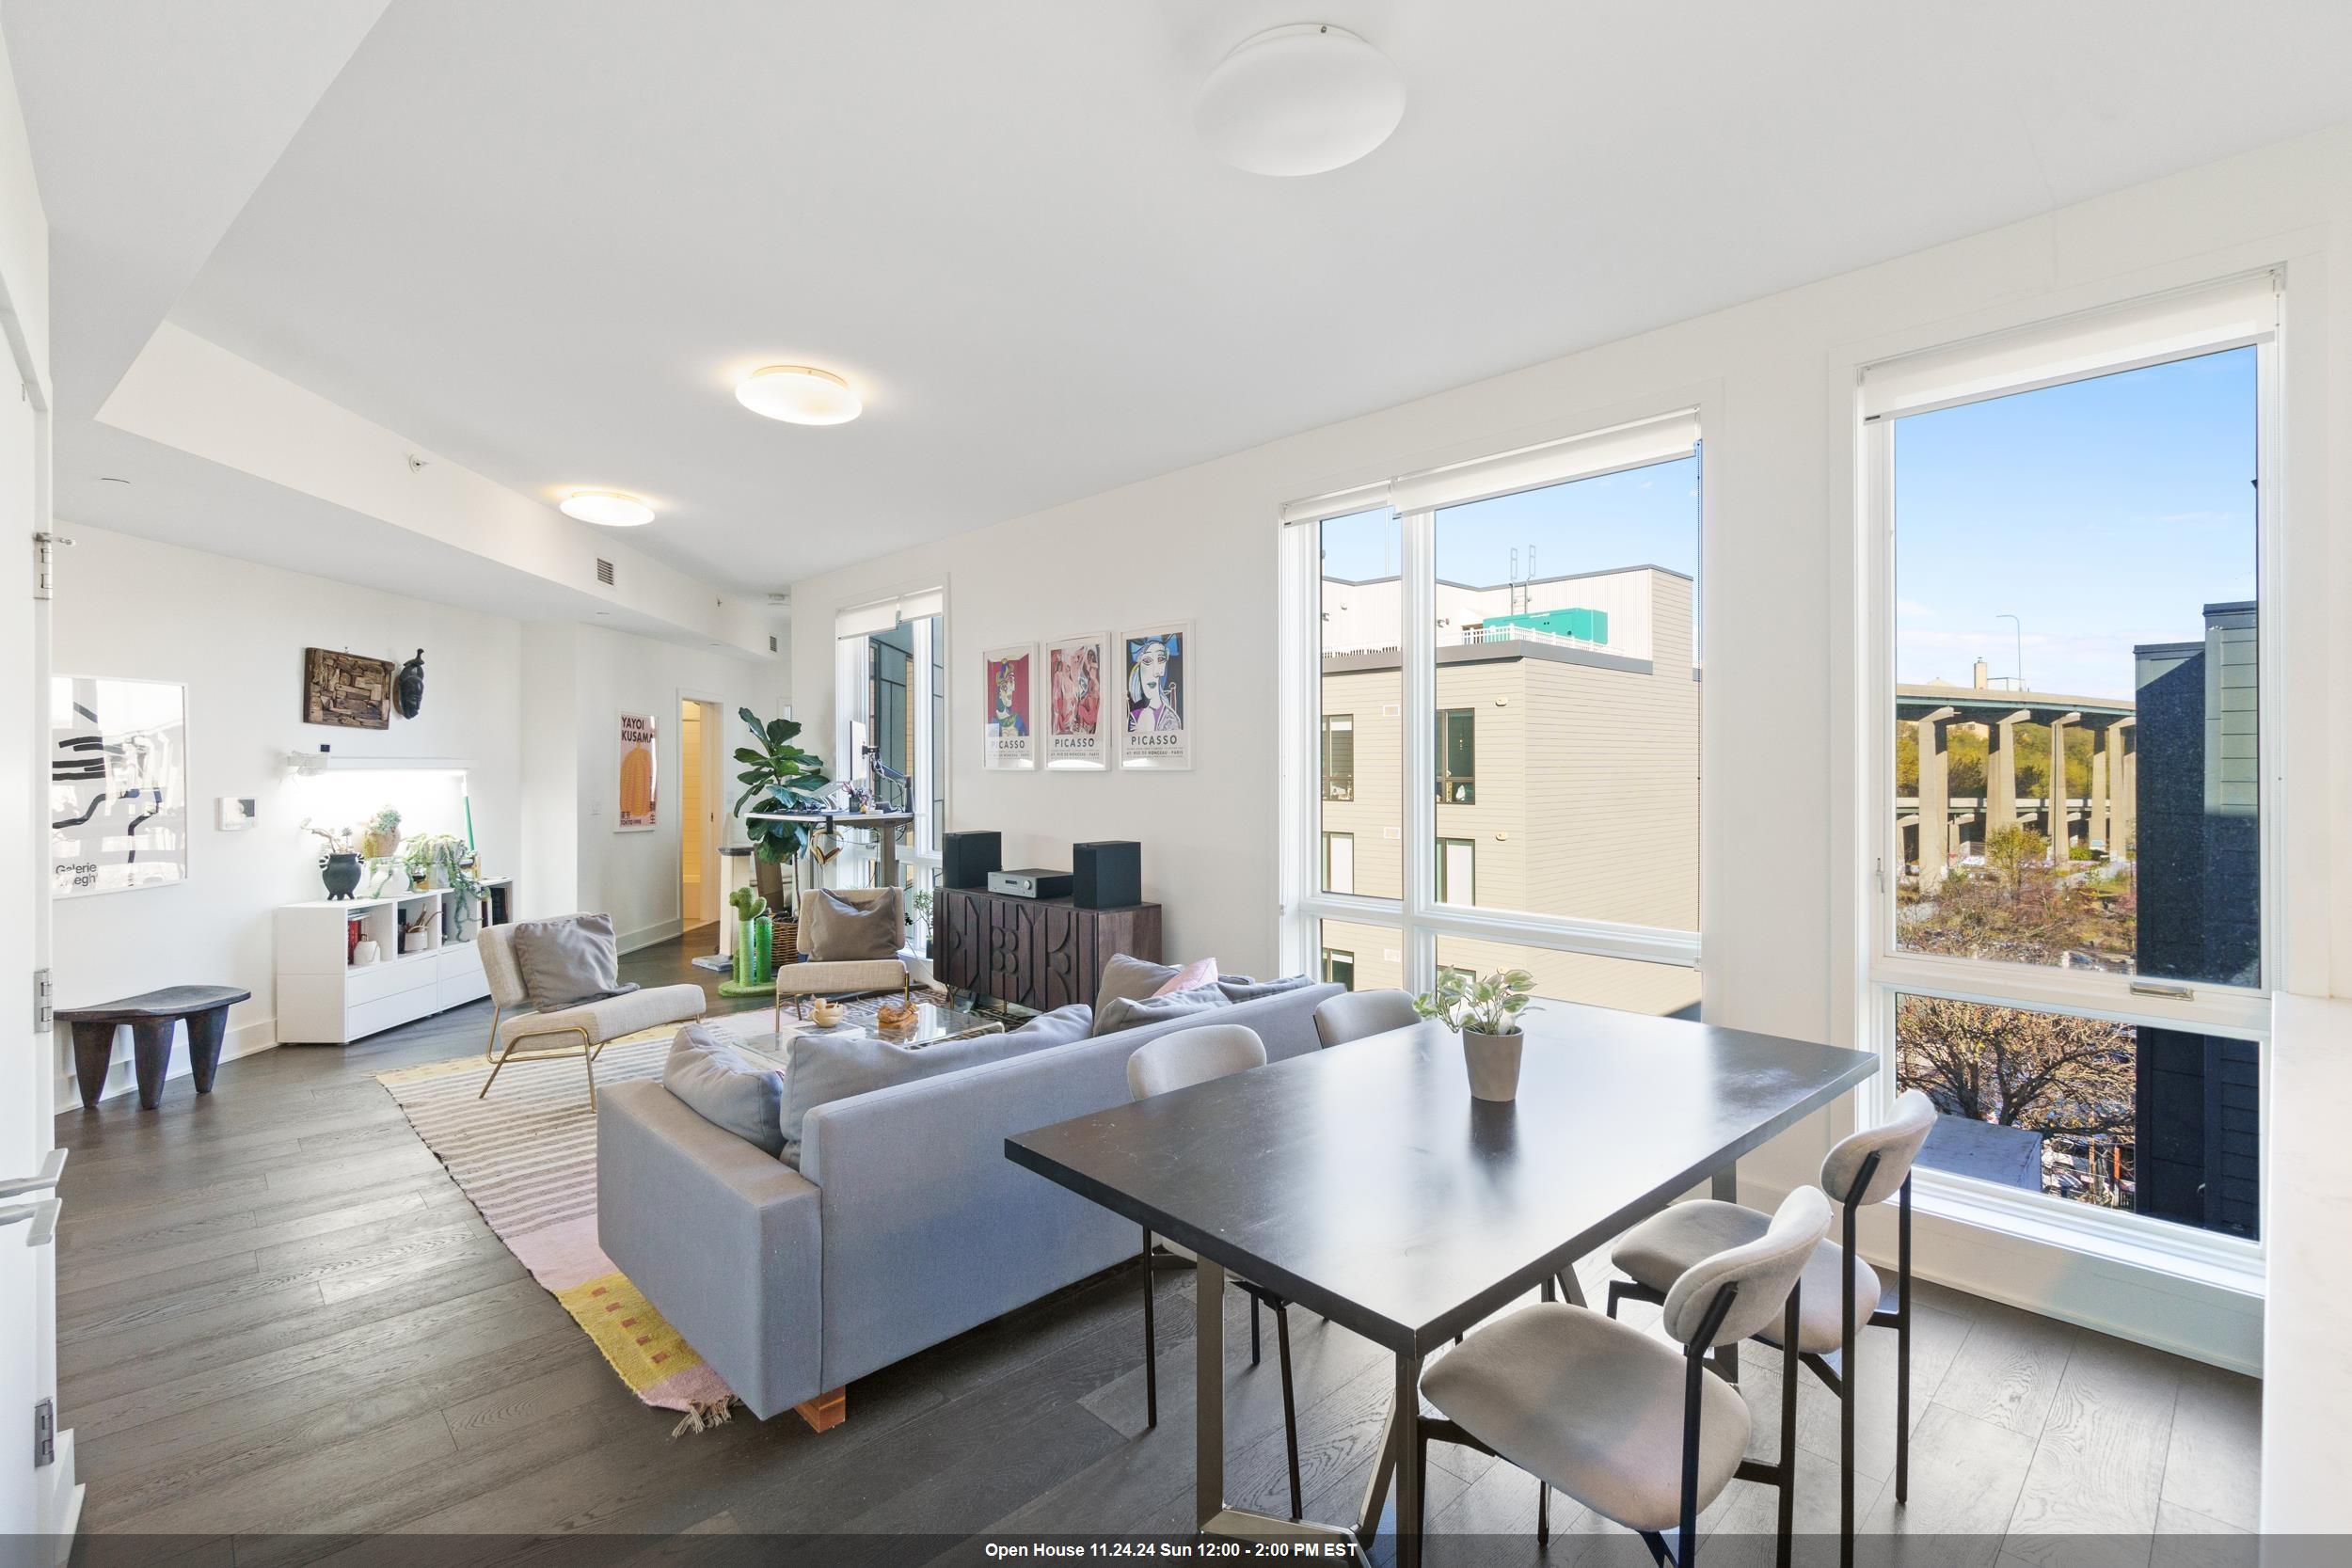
325 999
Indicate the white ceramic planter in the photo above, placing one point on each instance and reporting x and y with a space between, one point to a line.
1493 1061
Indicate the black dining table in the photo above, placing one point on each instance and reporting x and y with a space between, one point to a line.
1365 1184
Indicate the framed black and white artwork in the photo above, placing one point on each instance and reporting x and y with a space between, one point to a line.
118 784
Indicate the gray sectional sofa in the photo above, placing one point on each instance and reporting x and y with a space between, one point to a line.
904 1225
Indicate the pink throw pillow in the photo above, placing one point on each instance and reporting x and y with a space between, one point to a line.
1201 972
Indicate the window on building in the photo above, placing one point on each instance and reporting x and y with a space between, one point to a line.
1457 757
2071 957
1339 863
1339 969
1339 756
1457 871
1511 645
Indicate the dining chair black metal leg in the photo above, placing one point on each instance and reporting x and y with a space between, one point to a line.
1902 1347
1846 1376
1788 1430
1543 1512
1255 1353
1290 1404
1151 1342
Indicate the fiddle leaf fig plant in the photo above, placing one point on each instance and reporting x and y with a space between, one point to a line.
778 776
1484 1004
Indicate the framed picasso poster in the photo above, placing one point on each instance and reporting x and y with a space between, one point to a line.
1157 717
1078 706
1007 692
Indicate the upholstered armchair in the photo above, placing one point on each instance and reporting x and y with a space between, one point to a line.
520 1033
809 977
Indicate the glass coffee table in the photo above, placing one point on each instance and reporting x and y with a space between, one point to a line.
934 1022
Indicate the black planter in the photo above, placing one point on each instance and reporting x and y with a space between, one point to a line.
341 872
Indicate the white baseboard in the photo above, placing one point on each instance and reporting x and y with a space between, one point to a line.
646 936
245 1039
2187 1317
60 1503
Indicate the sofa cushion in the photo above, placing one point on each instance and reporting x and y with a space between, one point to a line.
1201 972
725 1087
835 929
567 961
1241 988
1138 1013
1130 977
822 1068
1062 1026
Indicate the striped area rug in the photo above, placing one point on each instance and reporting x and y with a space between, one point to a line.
527 1158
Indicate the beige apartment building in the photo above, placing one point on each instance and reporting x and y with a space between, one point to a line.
1568 779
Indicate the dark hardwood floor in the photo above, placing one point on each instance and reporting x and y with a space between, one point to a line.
279 1322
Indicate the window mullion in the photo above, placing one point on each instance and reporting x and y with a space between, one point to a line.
1417 753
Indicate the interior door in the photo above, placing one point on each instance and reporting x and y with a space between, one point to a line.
29 1500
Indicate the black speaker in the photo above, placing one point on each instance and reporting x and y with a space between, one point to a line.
1106 876
966 859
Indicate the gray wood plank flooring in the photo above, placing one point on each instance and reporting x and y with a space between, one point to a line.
281 1327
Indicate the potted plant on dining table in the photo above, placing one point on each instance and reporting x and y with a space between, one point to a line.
1484 1013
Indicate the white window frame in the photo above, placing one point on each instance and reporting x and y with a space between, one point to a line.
853 660
2183 325
1626 438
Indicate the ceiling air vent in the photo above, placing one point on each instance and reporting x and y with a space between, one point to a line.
604 572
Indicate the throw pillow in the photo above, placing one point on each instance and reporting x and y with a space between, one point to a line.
1137 1012
1238 989
1129 977
836 930
825 1068
1201 972
567 961
725 1087
1062 1026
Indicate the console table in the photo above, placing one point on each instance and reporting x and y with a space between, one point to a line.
1037 953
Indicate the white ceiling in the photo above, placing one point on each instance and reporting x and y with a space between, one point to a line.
542 237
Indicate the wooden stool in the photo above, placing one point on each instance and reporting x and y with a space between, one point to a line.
150 1017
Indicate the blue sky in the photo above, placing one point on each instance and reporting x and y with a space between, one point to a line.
2102 513
1643 516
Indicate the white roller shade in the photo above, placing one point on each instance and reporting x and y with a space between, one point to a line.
1338 504
1603 451
2173 326
866 620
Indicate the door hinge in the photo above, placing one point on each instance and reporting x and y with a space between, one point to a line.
43 1014
45 564
1881 873
44 1433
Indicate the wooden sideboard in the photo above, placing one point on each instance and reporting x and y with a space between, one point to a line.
1039 953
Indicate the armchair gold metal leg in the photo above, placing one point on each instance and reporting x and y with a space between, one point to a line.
490 1052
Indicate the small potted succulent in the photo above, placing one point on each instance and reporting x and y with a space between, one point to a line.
1485 1012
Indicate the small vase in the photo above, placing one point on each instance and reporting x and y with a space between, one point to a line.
365 954
341 872
1493 1061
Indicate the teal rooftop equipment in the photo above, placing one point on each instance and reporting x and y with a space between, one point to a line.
1584 626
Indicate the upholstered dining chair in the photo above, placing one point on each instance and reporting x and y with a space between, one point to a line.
1841 1291
1178 1061
520 1033
1616 1418
1352 1015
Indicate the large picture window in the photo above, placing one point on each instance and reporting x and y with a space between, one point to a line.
1502 712
2075 884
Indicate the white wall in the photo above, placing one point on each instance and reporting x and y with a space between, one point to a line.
1775 379
531 706
634 877
235 634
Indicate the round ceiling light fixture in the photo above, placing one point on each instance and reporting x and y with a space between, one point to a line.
607 508
1304 99
799 394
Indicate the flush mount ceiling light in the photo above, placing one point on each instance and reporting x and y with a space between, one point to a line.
1299 99
799 394
607 508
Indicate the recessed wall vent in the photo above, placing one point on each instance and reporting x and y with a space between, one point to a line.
772 642
604 570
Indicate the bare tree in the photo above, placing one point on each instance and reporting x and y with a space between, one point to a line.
2046 1072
